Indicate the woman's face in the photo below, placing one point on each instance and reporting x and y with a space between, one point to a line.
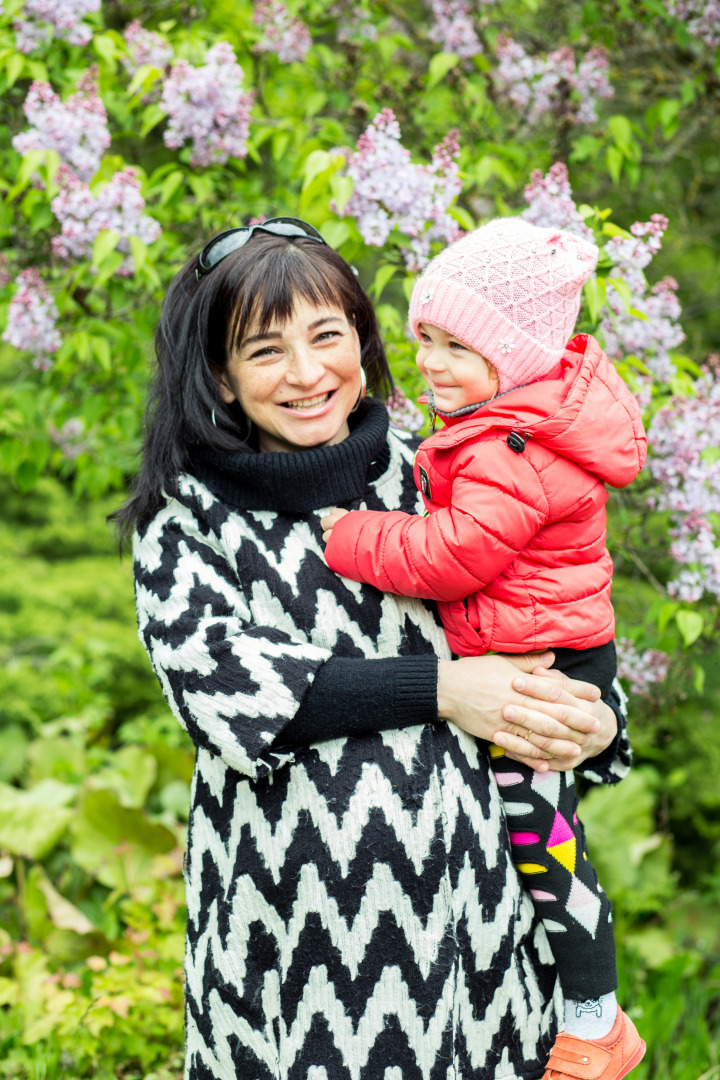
297 381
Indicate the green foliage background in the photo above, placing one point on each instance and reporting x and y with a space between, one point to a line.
94 772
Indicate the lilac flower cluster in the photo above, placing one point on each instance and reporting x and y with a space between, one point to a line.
207 107
145 47
353 24
702 18
540 86
390 191
685 440
625 334
453 27
32 320
550 202
404 413
39 20
83 214
69 437
283 34
640 670
77 129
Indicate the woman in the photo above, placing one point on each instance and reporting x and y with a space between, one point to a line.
352 908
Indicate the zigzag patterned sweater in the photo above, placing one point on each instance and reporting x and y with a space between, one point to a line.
353 909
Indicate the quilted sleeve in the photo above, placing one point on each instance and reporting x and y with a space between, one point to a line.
233 685
453 552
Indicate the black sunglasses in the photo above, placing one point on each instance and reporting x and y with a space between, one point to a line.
226 242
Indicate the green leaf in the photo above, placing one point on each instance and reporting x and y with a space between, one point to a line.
105 46
108 267
621 130
335 233
27 476
152 114
138 250
32 822
105 242
690 624
623 290
383 275
710 455
609 229
595 296
116 843
342 188
439 66
614 160
14 69
665 614
170 185
101 349
316 162
699 678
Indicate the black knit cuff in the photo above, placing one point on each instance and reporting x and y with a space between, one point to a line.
358 696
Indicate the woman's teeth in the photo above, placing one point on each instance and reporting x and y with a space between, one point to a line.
307 403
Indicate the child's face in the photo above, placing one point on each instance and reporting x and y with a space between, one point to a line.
456 375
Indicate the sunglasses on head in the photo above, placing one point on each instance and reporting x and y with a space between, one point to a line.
226 242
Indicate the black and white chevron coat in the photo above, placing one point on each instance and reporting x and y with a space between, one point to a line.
353 909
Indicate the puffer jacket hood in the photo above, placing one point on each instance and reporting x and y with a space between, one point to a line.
586 415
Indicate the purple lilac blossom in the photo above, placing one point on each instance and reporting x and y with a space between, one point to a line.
39 20
685 440
283 34
539 86
625 334
83 214
76 129
550 202
390 191
453 27
69 438
701 17
404 413
32 320
145 47
207 107
640 670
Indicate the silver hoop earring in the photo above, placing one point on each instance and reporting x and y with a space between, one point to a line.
363 390
212 417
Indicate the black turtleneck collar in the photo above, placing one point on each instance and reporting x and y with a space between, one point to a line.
295 483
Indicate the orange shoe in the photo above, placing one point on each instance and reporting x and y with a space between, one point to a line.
609 1058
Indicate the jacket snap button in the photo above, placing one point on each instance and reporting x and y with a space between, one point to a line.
517 442
585 1060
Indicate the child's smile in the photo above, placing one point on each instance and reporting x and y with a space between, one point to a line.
456 375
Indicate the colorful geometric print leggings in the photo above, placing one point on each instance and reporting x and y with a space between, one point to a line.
548 845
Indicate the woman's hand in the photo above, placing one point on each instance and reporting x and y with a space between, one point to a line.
556 710
555 719
330 520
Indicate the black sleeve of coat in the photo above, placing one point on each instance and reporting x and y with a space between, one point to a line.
352 696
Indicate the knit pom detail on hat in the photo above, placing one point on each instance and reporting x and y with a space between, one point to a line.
509 291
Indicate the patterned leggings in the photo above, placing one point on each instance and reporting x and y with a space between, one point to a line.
548 843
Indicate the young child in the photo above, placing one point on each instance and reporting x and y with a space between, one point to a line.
513 550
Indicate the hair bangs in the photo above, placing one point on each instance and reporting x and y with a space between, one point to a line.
272 285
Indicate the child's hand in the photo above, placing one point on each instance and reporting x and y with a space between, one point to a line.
331 519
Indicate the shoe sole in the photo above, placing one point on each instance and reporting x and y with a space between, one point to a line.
634 1060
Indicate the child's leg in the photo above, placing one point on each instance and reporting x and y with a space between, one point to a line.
548 845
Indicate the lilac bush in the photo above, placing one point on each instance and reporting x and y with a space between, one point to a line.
685 439
556 84
77 129
392 192
283 34
83 214
702 18
641 670
208 108
32 320
69 438
40 20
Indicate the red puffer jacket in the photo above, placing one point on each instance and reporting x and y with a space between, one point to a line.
513 545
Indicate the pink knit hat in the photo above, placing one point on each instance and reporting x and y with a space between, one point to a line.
511 292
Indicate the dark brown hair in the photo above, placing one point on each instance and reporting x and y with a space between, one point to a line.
200 325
